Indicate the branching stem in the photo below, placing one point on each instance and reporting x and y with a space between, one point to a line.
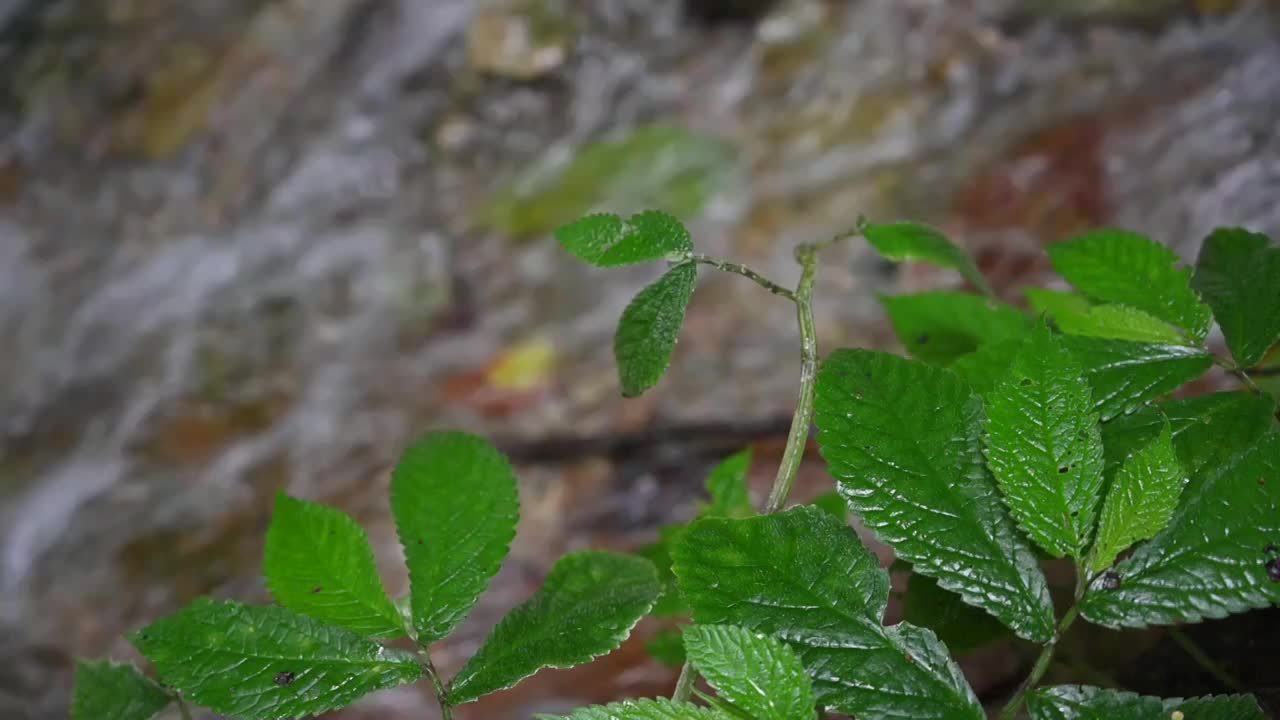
1046 655
744 271
441 690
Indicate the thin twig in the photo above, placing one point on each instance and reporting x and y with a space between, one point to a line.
746 272
183 710
441 690
1046 655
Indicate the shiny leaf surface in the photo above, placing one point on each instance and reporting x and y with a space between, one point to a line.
754 672
585 608
1044 446
1140 501
1078 702
1125 375
660 709
650 325
803 577
455 503
1238 273
607 241
261 663
903 440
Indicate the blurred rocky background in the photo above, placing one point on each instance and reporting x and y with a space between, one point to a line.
259 245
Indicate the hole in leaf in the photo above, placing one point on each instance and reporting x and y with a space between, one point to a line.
1110 580
1262 481
284 678
1064 470
316 589
1273 569
1025 381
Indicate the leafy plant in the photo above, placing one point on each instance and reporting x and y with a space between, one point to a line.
1008 438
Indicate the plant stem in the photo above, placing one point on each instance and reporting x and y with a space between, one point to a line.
1217 671
442 692
183 710
1042 664
744 271
798 437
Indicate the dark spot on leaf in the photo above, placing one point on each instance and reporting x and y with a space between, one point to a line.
1273 569
909 658
316 589
922 340
284 678
1110 580
1075 513
1271 549
1025 381
1262 481
1064 469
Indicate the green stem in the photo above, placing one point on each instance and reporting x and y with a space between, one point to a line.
744 271
441 690
183 710
684 685
1046 655
1217 671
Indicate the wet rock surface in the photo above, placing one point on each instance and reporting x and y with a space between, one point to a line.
260 245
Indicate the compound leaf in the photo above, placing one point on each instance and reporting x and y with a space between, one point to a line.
727 486
659 709
940 326
1044 447
904 241
262 663
903 440
1140 501
455 504
1116 266
318 562
585 608
1080 702
1238 273
605 240
754 672
650 325
109 691
1125 375
803 577
1219 555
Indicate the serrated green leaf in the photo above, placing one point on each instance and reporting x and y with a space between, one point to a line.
913 241
605 240
754 672
1116 266
803 577
659 709
1118 322
833 504
455 504
727 486
962 627
108 691
984 368
262 663
318 562
1207 430
1080 702
585 608
1044 446
667 647
670 603
940 326
1238 273
649 328
1216 557
1125 375
1140 501
1056 302
903 440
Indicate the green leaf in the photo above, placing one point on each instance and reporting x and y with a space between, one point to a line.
1056 302
1044 447
649 327
455 503
1207 430
667 647
1126 375
1118 322
1216 557
903 440
940 326
606 241
107 691
833 504
586 608
1079 702
1238 273
986 367
727 486
962 627
756 673
803 577
1141 500
261 663
670 603
1116 266
912 241
660 709
318 562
